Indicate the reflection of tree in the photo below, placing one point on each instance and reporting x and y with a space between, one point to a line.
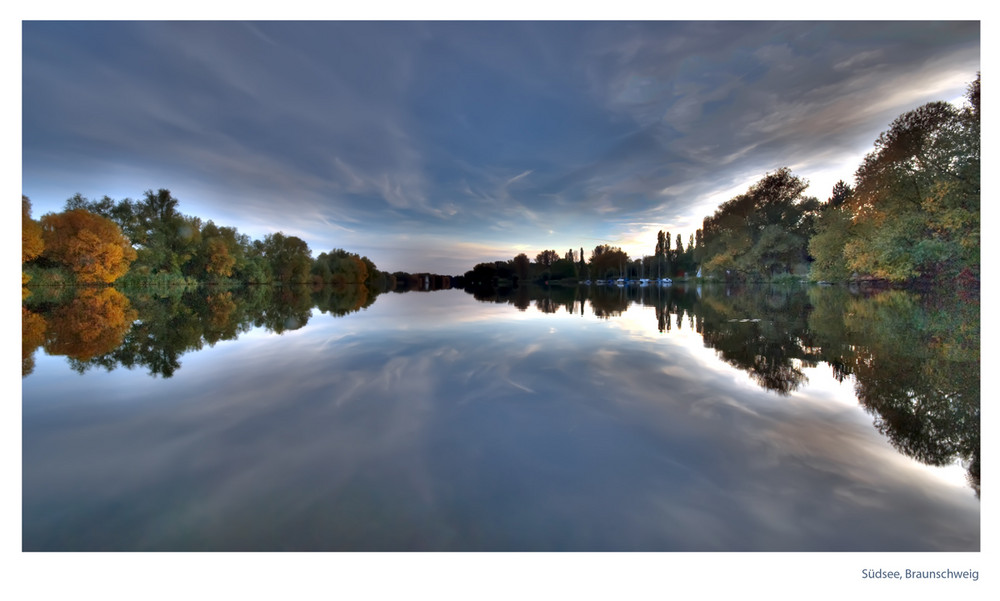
219 322
167 328
342 300
153 331
608 302
547 299
91 324
32 337
547 304
762 331
290 309
915 362
914 358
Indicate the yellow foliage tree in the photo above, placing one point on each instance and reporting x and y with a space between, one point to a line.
90 245
218 260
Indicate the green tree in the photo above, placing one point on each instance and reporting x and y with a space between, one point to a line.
288 257
340 268
764 231
832 232
915 207
608 261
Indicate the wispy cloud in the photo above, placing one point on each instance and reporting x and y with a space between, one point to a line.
354 131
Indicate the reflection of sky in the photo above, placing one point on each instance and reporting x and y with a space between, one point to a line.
431 421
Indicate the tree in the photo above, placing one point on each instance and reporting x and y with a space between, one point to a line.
167 240
32 243
288 257
522 266
218 253
607 261
699 247
92 246
546 258
341 268
915 207
832 232
660 252
763 231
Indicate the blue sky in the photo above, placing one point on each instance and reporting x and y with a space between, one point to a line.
432 146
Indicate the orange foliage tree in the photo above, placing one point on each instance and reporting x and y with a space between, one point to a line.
90 245
31 233
31 239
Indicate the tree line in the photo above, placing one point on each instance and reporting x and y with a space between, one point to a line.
912 214
605 262
150 241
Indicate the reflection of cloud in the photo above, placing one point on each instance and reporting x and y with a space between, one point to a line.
361 433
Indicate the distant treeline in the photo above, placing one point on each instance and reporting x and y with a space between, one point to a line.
912 215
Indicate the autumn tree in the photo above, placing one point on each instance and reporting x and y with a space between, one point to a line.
915 207
92 246
218 254
31 233
32 243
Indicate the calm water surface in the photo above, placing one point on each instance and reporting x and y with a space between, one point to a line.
678 419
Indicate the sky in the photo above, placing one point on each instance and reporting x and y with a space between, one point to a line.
433 146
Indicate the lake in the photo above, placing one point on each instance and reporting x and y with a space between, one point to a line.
680 418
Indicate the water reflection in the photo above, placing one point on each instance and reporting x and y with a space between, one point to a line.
913 358
152 330
539 419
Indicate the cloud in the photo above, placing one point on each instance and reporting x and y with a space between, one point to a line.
468 130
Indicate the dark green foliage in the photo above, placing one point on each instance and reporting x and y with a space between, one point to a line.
288 258
763 232
608 262
339 267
